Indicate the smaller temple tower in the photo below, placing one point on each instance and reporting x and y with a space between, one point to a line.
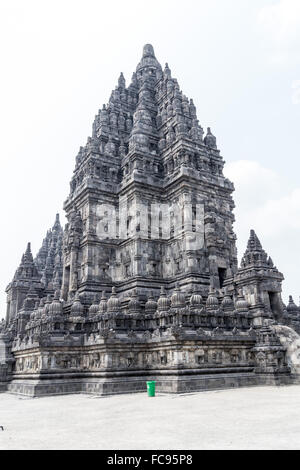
25 276
42 275
260 282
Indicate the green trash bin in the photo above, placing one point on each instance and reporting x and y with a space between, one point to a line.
151 388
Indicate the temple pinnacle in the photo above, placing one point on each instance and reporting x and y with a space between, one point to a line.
148 50
56 224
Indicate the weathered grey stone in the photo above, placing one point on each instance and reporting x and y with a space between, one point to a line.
178 309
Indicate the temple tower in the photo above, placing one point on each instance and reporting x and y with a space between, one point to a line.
43 274
148 163
25 277
260 282
150 224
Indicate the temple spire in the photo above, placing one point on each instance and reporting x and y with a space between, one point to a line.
255 254
27 268
56 225
28 255
167 71
253 242
121 81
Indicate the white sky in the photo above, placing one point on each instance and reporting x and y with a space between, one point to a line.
238 59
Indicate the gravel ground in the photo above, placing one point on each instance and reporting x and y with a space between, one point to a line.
246 418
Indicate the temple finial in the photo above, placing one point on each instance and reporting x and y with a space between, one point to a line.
148 62
210 140
28 254
56 224
148 50
167 71
121 81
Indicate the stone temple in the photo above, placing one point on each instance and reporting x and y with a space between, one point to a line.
143 282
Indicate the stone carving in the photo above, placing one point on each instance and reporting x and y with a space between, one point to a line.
176 297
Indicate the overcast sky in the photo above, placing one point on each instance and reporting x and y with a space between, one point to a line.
238 59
